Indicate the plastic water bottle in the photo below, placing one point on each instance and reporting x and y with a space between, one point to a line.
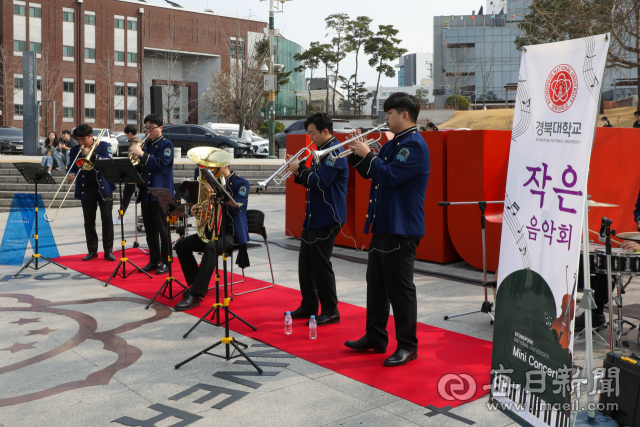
288 323
313 328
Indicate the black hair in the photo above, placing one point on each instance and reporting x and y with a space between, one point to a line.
155 119
431 125
247 127
402 102
82 131
321 121
637 113
130 129
423 128
66 132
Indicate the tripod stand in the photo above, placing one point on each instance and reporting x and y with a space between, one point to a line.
487 306
34 173
214 311
121 171
221 196
171 208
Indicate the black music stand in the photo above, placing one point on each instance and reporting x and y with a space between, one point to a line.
171 208
486 306
34 173
221 197
120 171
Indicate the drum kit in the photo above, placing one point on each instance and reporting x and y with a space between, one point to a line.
625 264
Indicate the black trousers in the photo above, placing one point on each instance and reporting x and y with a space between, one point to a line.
89 210
315 272
390 282
155 226
127 192
198 277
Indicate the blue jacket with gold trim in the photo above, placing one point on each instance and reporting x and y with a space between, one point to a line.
399 175
157 168
326 186
238 188
102 151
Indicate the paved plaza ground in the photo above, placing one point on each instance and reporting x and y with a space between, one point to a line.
74 353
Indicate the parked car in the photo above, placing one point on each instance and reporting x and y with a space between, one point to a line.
11 140
297 127
123 144
226 129
187 137
108 137
259 146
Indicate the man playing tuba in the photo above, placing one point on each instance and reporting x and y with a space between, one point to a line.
233 219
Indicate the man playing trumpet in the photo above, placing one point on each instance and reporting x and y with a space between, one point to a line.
326 212
399 176
236 235
93 190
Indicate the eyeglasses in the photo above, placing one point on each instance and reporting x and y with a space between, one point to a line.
150 129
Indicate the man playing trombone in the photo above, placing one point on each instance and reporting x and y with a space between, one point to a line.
92 189
326 211
399 176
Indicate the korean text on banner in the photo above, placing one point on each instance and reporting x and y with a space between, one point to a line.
553 129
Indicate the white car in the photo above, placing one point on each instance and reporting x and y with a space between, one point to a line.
259 146
110 138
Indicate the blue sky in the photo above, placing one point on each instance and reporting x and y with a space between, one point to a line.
303 21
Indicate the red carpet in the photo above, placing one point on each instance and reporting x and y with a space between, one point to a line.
440 351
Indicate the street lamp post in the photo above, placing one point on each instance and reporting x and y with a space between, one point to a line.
272 93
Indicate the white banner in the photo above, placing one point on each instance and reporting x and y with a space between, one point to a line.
553 129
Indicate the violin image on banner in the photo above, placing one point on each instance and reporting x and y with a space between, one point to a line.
561 327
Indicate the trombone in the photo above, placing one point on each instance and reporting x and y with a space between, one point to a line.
85 164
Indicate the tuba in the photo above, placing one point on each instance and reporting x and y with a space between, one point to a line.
209 160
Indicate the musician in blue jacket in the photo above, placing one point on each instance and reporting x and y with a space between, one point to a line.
157 172
326 212
395 217
93 190
236 236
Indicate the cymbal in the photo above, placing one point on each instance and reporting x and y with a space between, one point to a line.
593 203
630 235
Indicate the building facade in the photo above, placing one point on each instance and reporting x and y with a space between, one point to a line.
286 101
97 58
425 92
415 69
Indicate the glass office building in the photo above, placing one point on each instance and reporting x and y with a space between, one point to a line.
286 99
476 54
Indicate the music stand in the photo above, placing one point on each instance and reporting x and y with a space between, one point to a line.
120 171
171 208
34 173
486 306
221 197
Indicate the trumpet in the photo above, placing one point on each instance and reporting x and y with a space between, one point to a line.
283 173
85 164
374 144
135 159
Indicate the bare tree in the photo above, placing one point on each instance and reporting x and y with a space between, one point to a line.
235 94
167 69
624 21
457 64
8 66
484 64
50 83
108 75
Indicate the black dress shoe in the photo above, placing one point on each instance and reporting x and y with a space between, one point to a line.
163 269
151 266
188 302
299 313
323 319
90 255
597 320
401 357
109 256
365 344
